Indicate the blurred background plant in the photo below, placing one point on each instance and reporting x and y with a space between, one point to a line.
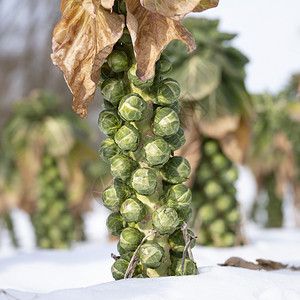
216 109
274 156
48 168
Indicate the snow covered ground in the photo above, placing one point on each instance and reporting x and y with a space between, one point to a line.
83 272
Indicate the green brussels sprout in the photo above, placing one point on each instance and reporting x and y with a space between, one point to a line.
184 214
151 255
224 202
119 268
190 267
127 137
163 65
132 107
108 148
204 173
233 217
156 152
228 239
212 189
168 91
130 238
165 220
125 254
133 210
109 122
207 213
136 81
177 242
166 122
144 181
217 227
210 148
177 140
219 161
105 73
229 175
176 170
115 223
179 196
141 276
122 167
118 61
113 90
125 38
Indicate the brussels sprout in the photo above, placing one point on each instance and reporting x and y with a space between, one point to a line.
177 241
124 253
151 255
212 189
119 269
156 152
133 210
233 217
219 161
109 122
105 73
115 223
106 105
184 214
217 227
228 239
176 170
130 238
224 202
118 61
166 122
168 91
127 137
132 107
122 167
210 148
165 220
190 267
113 90
204 173
125 38
179 196
207 213
144 181
136 81
141 276
177 140
229 175
163 65
108 148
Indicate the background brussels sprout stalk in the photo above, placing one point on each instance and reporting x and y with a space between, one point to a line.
148 199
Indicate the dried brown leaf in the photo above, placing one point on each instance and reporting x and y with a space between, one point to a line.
170 8
151 33
108 4
235 144
191 150
220 127
206 4
82 40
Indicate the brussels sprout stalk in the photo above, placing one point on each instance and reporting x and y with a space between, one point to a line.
148 199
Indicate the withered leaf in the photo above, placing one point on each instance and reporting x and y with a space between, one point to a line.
206 4
82 40
235 144
219 128
108 4
170 8
151 33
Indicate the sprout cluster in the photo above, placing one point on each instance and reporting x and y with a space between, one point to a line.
217 218
143 128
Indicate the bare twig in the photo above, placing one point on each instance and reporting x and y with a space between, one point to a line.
132 261
187 249
135 262
8 295
115 257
